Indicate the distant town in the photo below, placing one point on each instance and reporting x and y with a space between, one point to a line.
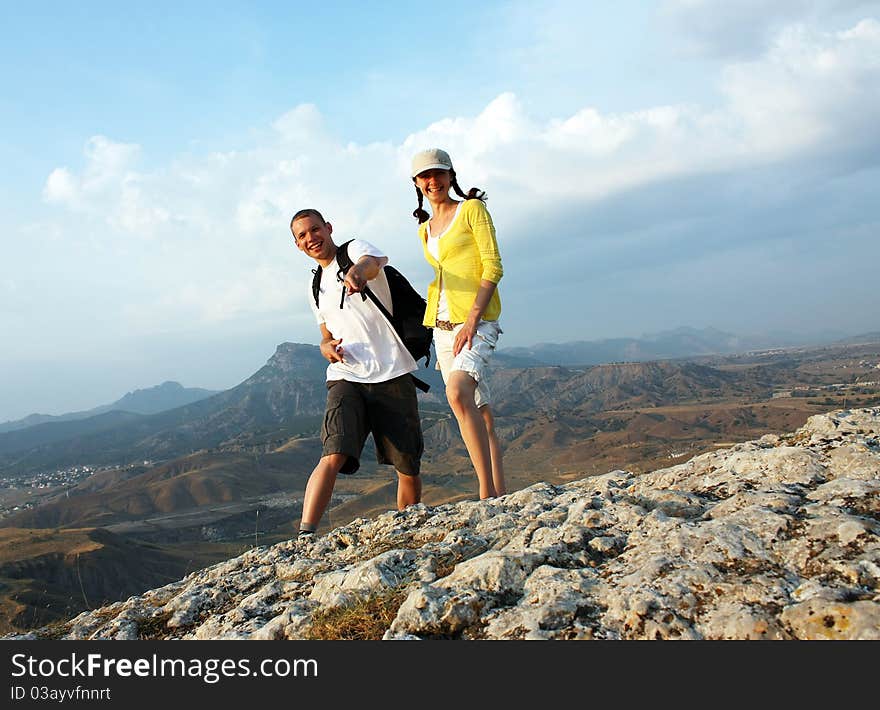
815 390
36 485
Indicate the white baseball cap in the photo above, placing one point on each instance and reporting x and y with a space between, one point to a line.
431 159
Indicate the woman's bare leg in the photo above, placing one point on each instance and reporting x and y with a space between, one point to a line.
460 392
494 451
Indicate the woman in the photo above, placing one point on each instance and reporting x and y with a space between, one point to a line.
458 239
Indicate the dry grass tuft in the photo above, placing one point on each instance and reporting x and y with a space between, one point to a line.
365 620
53 632
154 628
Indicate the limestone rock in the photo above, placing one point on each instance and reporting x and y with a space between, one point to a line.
777 538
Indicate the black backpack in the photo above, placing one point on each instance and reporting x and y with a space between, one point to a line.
409 309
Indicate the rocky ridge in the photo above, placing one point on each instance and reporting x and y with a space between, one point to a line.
777 538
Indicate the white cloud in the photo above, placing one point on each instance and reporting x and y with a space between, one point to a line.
810 87
811 90
301 127
746 28
213 245
107 160
61 187
263 289
108 188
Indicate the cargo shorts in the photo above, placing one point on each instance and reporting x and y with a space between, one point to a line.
389 410
474 360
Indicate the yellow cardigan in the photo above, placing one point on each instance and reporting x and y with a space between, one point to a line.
468 254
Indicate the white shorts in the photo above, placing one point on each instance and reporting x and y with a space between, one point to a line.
473 361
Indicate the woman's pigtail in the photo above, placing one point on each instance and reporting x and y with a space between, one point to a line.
474 193
419 212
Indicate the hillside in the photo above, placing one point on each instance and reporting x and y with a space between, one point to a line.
556 421
558 425
184 484
282 399
776 538
247 434
53 574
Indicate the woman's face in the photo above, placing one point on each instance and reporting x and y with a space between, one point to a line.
434 184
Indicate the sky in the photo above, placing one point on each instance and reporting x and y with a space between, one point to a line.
649 165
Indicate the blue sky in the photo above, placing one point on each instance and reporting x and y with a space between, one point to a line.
649 165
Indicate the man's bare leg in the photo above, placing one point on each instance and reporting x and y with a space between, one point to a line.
319 490
409 490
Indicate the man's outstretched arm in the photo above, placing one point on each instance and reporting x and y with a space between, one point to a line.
366 269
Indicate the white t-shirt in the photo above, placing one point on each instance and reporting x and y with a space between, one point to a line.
372 350
433 245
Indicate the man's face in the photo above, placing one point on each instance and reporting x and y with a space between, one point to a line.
312 236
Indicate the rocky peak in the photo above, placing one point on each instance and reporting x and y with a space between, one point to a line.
290 360
288 353
775 538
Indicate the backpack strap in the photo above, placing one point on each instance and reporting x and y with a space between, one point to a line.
342 258
344 263
421 384
316 283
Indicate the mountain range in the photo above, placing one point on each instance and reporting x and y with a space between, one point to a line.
683 342
151 400
198 481
261 436
282 398
285 399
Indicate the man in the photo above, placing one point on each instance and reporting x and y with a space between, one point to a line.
369 388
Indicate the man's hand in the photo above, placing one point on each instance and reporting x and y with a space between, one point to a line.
364 270
355 279
332 350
